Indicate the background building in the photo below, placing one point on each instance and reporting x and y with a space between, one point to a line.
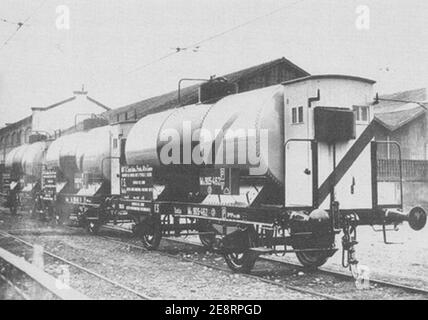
407 124
263 75
50 121
13 135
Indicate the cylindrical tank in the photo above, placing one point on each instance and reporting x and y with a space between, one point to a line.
52 154
33 159
62 153
173 127
246 131
68 154
93 152
252 120
14 158
9 158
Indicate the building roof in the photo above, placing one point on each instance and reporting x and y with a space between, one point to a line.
189 95
409 95
395 120
27 120
69 100
330 76
13 126
393 115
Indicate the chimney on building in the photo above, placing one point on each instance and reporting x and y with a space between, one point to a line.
82 92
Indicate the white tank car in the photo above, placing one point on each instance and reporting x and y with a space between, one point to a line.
151 133
81 152
52 154
93 152
33 158
61 153
13 159
241 118
246 131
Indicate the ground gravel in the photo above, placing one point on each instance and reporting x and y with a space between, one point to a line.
151 273
169 278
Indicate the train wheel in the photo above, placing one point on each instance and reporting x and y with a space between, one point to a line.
93 226
207 240
48 214
242 262
313 259
57 218
14 203
13 209
34 211
150 234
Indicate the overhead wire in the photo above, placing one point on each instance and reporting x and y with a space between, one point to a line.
197 44
21 24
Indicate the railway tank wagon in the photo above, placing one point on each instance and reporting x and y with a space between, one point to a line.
24 165
14 170
314 173
92 181
58 176
96 158
285 168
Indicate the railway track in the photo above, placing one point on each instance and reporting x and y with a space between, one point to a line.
29 281
320 271
212 266
349 277
7 235
382 284
14 288
123 242
326 271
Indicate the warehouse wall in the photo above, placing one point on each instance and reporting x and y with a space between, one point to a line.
412 138
14 135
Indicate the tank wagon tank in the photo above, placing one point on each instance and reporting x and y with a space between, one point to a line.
280 169
24 166
58 176
91 156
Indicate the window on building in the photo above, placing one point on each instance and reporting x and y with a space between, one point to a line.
27 135
300 118
297 115
18 138
361 113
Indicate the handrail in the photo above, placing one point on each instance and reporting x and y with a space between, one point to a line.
400 165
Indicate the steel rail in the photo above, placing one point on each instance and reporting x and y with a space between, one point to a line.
325 270
287 286
14 287
46 281
126 288
322 270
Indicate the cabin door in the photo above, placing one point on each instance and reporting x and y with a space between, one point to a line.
298 173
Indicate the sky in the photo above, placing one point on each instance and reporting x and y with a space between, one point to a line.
115 47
